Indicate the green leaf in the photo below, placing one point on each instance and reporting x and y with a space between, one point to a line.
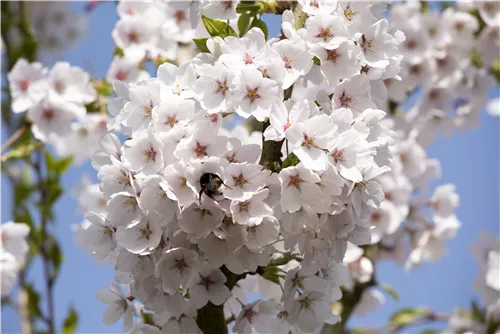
217 28
103 88
70 322
477 314
492 326
429 331
316 60
259 24
243 23
118 52
55 166
56 256
201 43
271 274
476 58
249 7
406 316
390 291
495 69
22 150
33 301
291 160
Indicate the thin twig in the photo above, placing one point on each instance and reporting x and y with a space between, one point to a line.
14 137
49 281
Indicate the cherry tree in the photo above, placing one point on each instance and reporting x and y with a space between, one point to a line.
287 166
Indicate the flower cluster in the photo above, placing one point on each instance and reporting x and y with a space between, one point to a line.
446 63
160 30
56 26
189 204
13 253
55 102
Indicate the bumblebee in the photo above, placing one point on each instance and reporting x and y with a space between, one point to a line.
211 185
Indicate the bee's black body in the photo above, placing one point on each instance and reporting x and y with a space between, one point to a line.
212 185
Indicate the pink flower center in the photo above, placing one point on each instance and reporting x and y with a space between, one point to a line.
239 180
247 59
226 5
345 100
308 141
338 155
48 114
200 150
376 216
150 154
221 87
121 75
288 62
180 16
366 44
171 120
286 125
314 3
133 37
24 85
332 55
325 34
295 181
252 94
59 86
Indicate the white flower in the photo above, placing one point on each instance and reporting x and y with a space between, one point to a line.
299 187
338 63
326 30
123 208
141 236
119 306
134 32
142 98
208 285
310 310
172 111
214 88
444 201
143 153
13 240
27 83
310 139
352 93
178 80
430 242
368 192
201 220
256 317
157 196
52 118
378 45
184 324
296 59
371 300
315 7
251 211
9 269
176 267
71 83
221 10
243 180
254 95
99 236
343 155
284 115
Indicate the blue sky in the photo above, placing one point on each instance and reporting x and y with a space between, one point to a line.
470 160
